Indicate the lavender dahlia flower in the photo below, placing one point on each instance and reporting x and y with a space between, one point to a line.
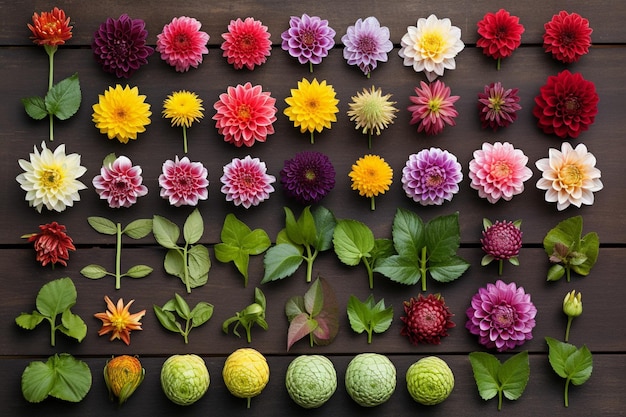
366 43
119 45
431 176
308 177
502 316
309 38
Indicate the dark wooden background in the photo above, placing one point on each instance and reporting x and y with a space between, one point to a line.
23 72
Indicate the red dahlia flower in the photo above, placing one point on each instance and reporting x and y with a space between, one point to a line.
52 244
51 28
427 319
500 34
567 37
566 105
247 42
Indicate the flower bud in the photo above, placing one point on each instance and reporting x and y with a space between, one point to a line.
122 375
572 304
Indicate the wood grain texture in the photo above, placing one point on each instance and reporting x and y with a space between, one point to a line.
23 72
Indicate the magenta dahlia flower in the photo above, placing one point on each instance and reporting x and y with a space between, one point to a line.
501 241
246 182
502 316
498 107
120 183
245 114
566 105
500 34
119 46
308 177
433 107
431 176
366 43
247 42
309 38
182 43
567 37
426 319
498 171
183 182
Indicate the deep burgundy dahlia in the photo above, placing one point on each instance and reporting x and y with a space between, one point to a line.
426 320
308 177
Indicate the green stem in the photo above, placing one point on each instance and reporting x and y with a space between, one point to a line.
372 203
498 65
500 263
185 138
312 137
311 67
249 398
369 336
370 273
566 395
186 332
569 324
567 273
52 330
499 400
369 140
118 257
423 268
311 338
51 50
186 270
309 262
248 335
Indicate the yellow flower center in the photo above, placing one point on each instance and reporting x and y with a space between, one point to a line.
118 322
434 105
432 44
244 112
52 178
247 43
309 175
571 175
500 169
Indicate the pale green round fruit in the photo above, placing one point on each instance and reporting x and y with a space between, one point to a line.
311 380
184 378
430 380
370 379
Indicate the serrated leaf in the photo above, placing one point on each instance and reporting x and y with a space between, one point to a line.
138 271
29 321
448 270
408 233
485 367
93 271
35 107
352 241
281 261
325 223
165 232
63 99
138 229
513 375
399 268
442 236
102 225
193 227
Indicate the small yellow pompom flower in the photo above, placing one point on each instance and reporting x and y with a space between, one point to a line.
246 373
372 112
371 176
312 106
121 113
183 108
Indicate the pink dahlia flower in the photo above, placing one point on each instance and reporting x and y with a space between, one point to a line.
366 43
433 107
498 107
498 171
431 176
502 316
246 182
247 42
567 37
309 38
120 183
245 115
183 182
182 43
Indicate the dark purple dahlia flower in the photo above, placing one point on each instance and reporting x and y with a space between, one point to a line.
308 177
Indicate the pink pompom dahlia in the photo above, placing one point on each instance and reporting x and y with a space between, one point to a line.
426 319
184 182
567 37
245 114
431 176
502 316
498 171
247 43
433 107
120 183
246 182
182 43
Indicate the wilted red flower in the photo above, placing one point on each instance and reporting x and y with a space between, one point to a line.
500 34
52 244
427 319
566 105
51 28
567 37
247 42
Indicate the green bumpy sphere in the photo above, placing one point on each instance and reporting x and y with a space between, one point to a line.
184 378
430 380
370 379
311 380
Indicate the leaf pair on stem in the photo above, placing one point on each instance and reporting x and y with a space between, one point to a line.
195 317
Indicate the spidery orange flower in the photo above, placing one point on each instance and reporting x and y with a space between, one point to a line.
118 320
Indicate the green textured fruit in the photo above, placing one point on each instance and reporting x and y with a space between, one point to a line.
429 380
370 379
311 380
184 378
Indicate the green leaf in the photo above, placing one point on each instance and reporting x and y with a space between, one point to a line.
138 271
281 261
174 263
181 306
165 232
294 306
399 268
590 246
292 229
442 236
256 242
300 326
306 227
61 376
201 313
325 223
448 270
167 319
367 316
35 107
29 321
56 296
199 265
37 381
383 248
109 159
93 271
314 298
408 233
63 99
193 227
570 362
102 225
567 232
73 326
138 229
556 272
494 378
352 241
514 374
259 298
485 367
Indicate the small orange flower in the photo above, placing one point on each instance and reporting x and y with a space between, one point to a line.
51 28
119 320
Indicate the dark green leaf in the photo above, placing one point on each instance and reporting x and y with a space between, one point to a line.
399 268
73 326
56 296
448 270
307 227
442 237
35 107
325 225
408 233
281 261
138 229
138 271
182 308
201 313
383 248
167 319
165 232
513 375
93 271
193 227
63 99
352 241
102 225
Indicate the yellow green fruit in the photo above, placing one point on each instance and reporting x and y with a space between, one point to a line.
430 380
246 373
122 375
370 379
311 380
184 378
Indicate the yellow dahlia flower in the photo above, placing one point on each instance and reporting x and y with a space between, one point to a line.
183 108
312 106
372 112
50 178
371 176
121 113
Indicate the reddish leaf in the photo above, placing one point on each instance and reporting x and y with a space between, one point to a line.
299 327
